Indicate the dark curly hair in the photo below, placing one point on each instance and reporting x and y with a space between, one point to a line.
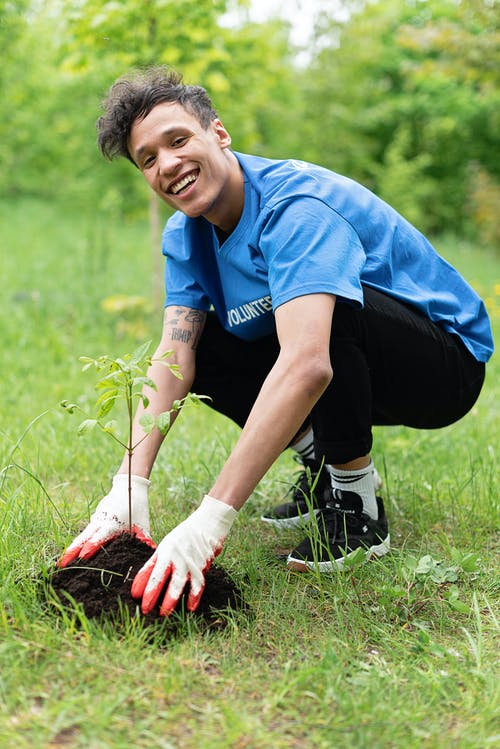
133 96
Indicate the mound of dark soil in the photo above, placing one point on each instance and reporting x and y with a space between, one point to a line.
102 584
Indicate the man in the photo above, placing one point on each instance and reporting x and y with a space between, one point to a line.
307 309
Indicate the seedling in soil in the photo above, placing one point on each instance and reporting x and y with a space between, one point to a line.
122 381
104 588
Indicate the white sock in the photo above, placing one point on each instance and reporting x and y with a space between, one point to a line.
361 482
305 446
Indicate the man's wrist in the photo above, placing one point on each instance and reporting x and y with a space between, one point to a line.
122 475
218 508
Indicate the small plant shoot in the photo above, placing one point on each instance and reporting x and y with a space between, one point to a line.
121 381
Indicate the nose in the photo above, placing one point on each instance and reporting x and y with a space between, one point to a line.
168 161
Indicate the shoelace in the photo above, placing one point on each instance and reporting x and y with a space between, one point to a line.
336 523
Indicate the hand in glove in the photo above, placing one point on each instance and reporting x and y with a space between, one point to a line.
183 556
111 518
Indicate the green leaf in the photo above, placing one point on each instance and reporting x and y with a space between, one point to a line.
88 365
140 352
392 592
111 427
355 558
196 400
455 602
468 561
135 370
163 422
109 381
87 425
70 407
122 364
425 565
144 381
109 393
105 407
176 371
147 422
441 574
113 378
423 636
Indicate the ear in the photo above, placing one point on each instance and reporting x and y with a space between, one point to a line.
221 134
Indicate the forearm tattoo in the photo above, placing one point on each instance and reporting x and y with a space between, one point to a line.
186 325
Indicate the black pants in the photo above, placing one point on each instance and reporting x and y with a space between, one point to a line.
391 365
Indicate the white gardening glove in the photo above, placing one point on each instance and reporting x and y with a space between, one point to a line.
111 518
183 556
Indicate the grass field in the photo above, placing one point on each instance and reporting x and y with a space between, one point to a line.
401 652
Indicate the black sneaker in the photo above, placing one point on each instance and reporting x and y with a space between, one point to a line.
343 527
313 483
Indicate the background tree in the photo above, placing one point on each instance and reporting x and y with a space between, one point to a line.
409 99
402 95
101 40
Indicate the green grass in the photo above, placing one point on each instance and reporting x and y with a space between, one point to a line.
382 655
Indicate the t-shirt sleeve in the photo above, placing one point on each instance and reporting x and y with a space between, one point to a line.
181 286
309 248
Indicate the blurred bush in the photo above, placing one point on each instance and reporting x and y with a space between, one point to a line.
484 206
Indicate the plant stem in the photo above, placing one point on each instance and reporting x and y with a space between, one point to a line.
130 450
130 491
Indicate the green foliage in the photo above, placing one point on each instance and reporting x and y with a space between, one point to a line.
439 571
258 97
401 95
122 380
409 91
403 181
48 108
483 203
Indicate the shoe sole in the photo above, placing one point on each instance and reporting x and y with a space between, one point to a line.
300 565
290 523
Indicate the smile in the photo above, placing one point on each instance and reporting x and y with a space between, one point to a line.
183 183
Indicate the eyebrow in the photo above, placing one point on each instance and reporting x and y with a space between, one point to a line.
168 131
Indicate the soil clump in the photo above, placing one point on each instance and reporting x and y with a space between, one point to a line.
102 585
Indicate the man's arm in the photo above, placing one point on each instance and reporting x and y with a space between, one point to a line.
295 383
299 377
182 329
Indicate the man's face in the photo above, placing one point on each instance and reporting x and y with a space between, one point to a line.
189 167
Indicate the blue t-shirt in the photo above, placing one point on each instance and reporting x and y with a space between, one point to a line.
307 230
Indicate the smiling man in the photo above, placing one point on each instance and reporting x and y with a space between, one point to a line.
307 309
189 165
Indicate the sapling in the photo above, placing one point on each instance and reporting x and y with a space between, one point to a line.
122 381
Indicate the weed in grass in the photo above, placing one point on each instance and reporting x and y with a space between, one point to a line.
12 464
475 639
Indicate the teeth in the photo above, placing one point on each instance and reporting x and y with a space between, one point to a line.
183 183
